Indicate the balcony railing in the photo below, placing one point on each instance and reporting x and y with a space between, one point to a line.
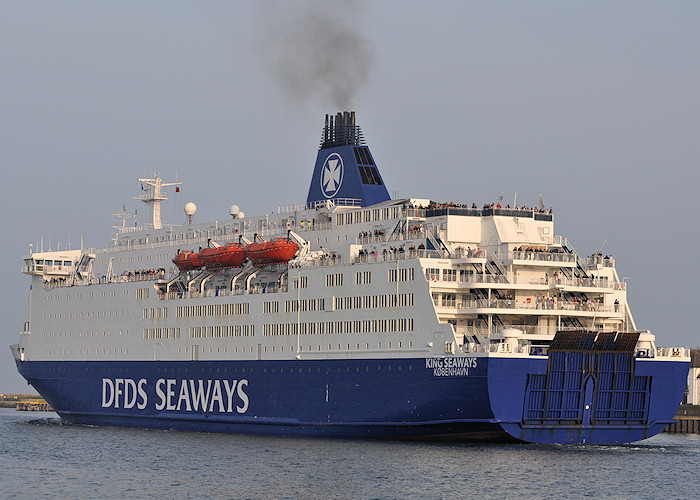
544 305
588 282
323 262
396 255
477 212
130 277
543 256
368 238
593 261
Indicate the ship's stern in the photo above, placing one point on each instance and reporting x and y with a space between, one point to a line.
588 388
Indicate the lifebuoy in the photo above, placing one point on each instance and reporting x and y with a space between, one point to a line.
435 279
620 286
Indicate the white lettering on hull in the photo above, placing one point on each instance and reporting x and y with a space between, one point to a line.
451 367
210 396
132 394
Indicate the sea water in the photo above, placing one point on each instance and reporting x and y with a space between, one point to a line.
40 457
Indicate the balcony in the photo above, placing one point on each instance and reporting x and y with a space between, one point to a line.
597 260
525 306
530 257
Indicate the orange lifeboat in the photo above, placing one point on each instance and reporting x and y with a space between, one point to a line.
223 257
208 257
276 251
230 255
187 261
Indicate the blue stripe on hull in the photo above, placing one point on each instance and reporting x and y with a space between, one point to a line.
387 399
378 399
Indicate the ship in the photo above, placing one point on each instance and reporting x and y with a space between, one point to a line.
352 315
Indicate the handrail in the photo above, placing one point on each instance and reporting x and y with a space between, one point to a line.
397 255
130 277
477 212
595 260
550 305
322 262
542 256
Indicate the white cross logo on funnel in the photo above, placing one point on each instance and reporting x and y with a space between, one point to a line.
332 175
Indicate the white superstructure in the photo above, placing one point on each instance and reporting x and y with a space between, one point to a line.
402 278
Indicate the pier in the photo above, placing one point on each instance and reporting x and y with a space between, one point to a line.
32 406
24 402
687 421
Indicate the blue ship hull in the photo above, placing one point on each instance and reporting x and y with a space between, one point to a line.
480 398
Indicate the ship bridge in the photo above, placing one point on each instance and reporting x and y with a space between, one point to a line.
57 264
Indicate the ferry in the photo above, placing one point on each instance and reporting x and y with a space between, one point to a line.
352 315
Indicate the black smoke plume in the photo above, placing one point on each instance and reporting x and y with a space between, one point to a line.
315 50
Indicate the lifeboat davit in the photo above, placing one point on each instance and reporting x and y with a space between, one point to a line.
223 257
187 261
277 251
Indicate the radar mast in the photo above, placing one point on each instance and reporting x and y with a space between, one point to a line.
153 196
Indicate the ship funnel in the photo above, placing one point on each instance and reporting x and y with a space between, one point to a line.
345 171
341 131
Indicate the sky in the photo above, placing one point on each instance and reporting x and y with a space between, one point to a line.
593 105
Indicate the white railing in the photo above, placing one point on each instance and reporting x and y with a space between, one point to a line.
469 253
537 304
312 225
672 352
367 238
256 290
396 255
562 257
529 331
44 269
322 262
596 260
379 236
340 202
130 277
543 350
588 282
483 278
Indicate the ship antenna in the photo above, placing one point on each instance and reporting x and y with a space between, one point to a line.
602 246
119 215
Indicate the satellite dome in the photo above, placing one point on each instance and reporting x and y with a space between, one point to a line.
234 211
190 208
241 215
